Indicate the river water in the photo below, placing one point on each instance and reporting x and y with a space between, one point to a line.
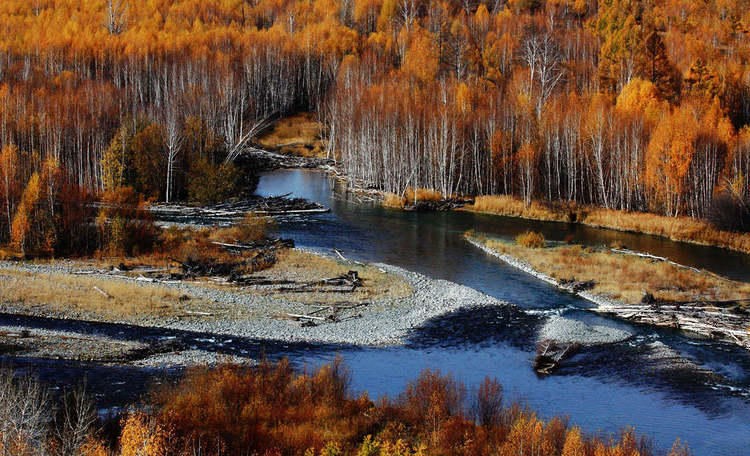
664 383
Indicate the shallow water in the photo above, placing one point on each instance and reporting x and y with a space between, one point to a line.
662 382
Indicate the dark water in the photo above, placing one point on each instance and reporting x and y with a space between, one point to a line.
662 382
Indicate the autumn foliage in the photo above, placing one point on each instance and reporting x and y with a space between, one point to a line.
635 105
272 409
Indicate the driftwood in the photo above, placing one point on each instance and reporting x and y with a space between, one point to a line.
235 210
720 322
102 292
305 317
345 283
264 244
327 313
345 259
265 159
577 286
437 206
549 355
655 258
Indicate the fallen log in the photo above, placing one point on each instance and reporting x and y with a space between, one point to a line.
102 292
550 354
654 257
305 317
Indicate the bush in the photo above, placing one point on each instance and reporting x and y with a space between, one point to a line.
251 228
422 194
125 225
531 239
209 183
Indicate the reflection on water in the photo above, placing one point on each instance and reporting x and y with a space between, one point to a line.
662 382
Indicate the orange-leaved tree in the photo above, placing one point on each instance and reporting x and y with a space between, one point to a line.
668 158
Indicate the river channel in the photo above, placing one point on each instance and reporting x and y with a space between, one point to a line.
664 383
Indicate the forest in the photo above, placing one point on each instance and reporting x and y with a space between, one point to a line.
637 105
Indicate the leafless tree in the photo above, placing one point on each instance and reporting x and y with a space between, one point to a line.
24 416
75 422
542 56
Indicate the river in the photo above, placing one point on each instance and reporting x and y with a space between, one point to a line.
664 383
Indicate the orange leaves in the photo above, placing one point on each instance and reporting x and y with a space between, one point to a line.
33 228
267 408
668 158
272 410
574 444
421 58
21 228
640 98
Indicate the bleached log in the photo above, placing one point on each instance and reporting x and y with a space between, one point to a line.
102 292
305 317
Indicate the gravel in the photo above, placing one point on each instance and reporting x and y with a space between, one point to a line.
566 330
243 313
190 358
381 322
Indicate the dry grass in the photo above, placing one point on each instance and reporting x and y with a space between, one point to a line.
422 194
624 277
62 294
684 229
411 196
303 266
65 293
513 207
393 200
300 134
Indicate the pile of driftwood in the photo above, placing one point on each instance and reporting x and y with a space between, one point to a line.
271 205
437 206
728 321
549 355
264 255
345 283
267 160
327 313
235 210
577 286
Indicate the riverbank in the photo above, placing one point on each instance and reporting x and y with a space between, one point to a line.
639 289
681 229
279 307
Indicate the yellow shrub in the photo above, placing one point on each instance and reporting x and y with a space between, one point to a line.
530 239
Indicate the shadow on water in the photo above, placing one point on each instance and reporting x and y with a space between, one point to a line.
115 384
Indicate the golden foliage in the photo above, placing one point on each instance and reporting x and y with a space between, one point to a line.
142 436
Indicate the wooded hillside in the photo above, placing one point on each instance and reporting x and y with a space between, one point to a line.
626 104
